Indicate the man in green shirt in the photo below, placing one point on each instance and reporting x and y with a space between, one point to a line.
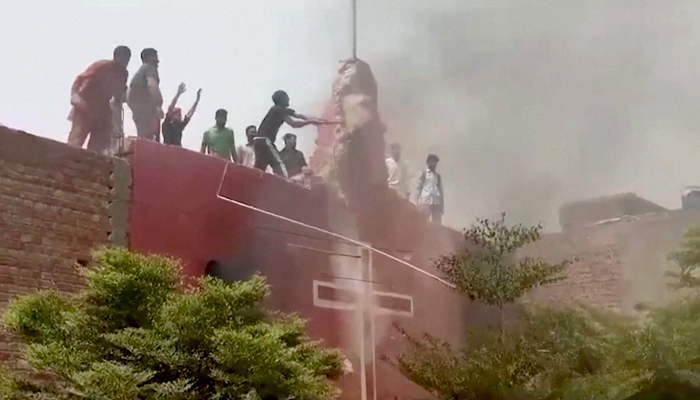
218 140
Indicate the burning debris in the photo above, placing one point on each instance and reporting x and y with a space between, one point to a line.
351 155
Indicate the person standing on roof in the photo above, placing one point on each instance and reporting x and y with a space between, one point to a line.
91 93
219 140
431 197
174 124
145 99
266 153
246 153
292 158
398 175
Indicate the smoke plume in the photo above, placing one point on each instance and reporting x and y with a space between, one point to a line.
532 103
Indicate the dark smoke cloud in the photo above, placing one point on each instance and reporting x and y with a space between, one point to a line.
531 103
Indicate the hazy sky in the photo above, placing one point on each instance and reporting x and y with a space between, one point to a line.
238 51
529 103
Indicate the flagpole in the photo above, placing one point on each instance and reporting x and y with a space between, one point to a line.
354 29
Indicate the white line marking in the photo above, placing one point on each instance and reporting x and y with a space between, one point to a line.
339 305
324 303
355 242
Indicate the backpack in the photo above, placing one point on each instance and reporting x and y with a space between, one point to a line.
421 183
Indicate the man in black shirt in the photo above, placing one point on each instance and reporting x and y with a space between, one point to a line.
292 158
266 153
174 123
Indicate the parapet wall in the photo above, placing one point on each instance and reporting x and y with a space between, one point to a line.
175 210
54 209
58 203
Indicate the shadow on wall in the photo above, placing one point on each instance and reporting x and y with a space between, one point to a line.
229 271
250 257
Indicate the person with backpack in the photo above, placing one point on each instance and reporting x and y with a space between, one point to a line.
431 197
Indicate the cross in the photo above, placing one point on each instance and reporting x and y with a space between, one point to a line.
371 303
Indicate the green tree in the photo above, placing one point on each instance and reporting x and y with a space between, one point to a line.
666 355
564 352
490 270
135 332
688 261
532 352
658 356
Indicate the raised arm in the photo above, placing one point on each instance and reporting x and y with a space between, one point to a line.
180 90
194 106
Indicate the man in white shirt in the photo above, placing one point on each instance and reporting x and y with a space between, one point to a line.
398 176
246 152
431 197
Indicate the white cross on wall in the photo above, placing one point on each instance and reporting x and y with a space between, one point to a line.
344 296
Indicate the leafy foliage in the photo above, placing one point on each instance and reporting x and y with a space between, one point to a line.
491 272
512 360
563 353
688 260
548 354
134 333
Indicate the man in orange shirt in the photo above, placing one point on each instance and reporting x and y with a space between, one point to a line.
91 94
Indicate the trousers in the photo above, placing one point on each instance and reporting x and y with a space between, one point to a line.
266 154
95 124
147 124
434 211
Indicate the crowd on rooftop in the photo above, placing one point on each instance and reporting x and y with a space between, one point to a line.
98 95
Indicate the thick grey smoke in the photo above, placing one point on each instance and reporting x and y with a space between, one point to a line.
531 103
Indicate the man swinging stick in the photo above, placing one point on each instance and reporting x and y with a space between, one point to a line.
266 153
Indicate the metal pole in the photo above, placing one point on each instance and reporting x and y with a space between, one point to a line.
365 295
354 29
372 329
116 142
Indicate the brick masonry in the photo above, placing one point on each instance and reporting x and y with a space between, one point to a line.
55 207
620 264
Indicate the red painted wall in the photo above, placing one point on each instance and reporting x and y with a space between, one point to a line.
175 211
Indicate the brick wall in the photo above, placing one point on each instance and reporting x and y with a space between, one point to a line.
619 264
54 208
